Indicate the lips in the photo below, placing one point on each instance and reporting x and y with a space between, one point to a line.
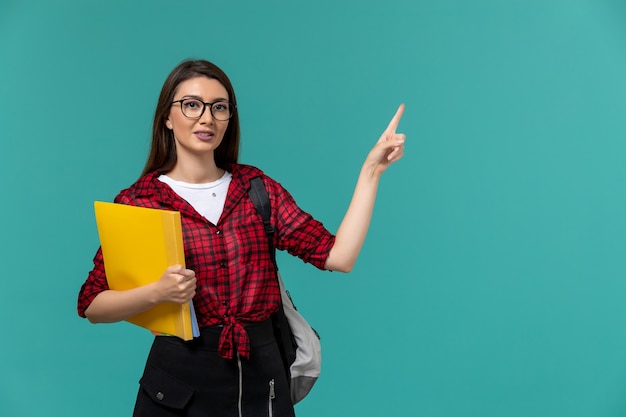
204 134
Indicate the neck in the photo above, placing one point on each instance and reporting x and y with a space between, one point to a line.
196 173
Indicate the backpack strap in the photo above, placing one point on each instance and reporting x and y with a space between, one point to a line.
261 201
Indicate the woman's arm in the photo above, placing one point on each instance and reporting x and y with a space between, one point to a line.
353 228
177 285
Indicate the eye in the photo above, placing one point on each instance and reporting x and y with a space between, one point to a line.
192 104
220 107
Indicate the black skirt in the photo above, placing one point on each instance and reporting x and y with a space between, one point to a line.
191 379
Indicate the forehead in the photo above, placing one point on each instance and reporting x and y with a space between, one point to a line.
203 87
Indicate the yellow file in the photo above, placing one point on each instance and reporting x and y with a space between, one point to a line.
138 244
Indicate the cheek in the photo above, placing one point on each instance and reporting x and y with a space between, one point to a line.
178 123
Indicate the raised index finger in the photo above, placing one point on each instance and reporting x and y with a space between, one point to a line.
395 121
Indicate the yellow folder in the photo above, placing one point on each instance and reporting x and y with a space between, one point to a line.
138 244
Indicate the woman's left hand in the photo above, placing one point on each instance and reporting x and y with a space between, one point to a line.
389 148
353 228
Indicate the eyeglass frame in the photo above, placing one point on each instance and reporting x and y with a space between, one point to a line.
204 106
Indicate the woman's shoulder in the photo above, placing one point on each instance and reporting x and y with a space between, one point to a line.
143 187
245 171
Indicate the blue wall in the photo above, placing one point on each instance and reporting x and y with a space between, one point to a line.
492 281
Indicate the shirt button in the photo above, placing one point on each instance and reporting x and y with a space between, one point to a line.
225 302
218 232
160 396
223 264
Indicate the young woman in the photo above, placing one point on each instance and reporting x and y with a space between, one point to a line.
234 368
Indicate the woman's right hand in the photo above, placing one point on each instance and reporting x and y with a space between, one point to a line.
176 285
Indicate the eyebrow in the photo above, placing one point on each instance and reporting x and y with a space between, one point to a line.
202 100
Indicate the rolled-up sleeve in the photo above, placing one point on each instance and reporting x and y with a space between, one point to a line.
96 283
297 231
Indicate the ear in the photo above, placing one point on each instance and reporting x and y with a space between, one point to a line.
168 123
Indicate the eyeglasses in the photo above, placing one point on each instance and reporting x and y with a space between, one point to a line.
193 108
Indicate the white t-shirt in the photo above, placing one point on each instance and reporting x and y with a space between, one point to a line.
207 199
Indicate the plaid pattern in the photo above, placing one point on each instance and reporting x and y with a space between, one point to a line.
236 282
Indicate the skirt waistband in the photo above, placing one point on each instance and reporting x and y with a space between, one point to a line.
261 333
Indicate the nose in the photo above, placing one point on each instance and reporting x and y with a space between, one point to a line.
207 116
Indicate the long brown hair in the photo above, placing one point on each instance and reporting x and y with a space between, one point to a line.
162 156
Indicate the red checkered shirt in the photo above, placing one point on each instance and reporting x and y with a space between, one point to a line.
236 283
